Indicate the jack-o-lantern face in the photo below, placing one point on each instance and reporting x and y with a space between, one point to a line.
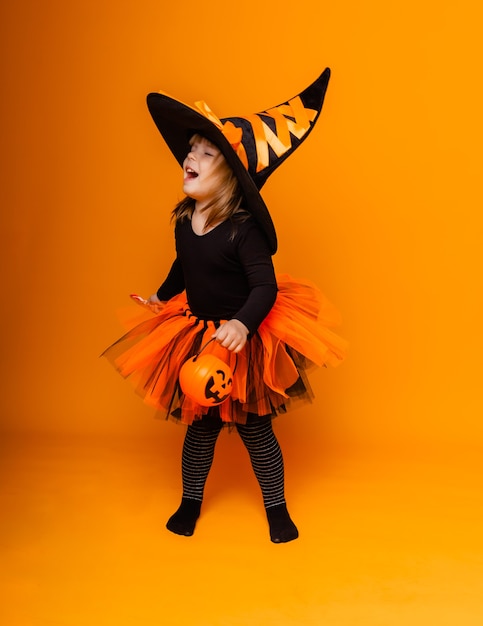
206 379
218 387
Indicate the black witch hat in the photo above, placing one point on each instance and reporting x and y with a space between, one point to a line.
254 145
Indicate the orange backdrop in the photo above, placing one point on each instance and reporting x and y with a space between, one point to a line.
380 207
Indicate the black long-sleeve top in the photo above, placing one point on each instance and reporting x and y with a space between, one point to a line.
224 277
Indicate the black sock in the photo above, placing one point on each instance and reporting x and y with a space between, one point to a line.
183 522
282 529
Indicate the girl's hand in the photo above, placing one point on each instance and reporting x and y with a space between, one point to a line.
153 302
232 335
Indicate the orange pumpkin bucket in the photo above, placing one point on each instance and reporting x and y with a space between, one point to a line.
206 379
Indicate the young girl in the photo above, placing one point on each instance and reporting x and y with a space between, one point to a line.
222 296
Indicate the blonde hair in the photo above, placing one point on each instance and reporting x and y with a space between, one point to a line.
227 201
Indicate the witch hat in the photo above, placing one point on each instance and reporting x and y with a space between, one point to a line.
254 145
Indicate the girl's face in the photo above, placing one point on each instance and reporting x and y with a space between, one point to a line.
201 170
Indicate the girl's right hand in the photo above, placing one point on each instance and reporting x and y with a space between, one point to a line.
153 302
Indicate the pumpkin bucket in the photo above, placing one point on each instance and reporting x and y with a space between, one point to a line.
206 379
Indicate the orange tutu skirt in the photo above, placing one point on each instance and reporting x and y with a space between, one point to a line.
269 371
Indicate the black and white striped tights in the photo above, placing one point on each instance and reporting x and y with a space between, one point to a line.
267 462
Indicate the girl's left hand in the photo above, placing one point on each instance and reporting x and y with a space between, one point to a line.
232 335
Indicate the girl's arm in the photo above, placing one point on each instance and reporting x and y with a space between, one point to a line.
256 261
174 283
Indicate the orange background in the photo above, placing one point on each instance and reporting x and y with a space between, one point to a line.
381 207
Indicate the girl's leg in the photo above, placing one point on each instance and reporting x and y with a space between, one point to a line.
197 458
267 462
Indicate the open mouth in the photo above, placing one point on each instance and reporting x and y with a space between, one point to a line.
191 173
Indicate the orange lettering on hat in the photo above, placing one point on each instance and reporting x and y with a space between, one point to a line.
280 140
302 116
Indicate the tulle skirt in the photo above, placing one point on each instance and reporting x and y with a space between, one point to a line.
270 371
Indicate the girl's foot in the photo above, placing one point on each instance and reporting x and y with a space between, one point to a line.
183 522
282 529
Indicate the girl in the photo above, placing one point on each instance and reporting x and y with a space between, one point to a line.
222 295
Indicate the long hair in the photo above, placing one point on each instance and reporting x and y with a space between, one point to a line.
226 202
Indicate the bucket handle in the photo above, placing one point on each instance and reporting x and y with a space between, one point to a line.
204 346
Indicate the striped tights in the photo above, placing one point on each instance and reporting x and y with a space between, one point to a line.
267 462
